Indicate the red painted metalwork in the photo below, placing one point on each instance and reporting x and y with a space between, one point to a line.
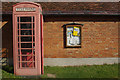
42 42
27 39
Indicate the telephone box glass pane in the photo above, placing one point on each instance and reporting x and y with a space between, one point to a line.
33 18
19 65
26 55
18 45
27 64
26 51
18 52
25 19
26 32
33 25
26 39
26 45
33 45
33 38
25 26
18 32
34 51
27 58
17 19
33 32
18 39
18 25
18 58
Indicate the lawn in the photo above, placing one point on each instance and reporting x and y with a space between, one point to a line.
94 71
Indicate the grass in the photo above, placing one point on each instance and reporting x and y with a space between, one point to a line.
6 74
94 71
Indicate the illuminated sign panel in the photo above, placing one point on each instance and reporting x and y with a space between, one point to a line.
25 9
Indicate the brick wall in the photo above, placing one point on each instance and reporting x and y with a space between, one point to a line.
99 39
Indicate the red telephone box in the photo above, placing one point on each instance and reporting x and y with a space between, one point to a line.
27 39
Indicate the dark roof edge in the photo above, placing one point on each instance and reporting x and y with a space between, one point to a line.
73 24
74 12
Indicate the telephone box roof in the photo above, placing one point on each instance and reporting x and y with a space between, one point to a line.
71 8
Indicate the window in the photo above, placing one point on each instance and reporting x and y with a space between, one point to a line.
73 35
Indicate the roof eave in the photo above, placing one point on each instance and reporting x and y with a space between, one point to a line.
73 13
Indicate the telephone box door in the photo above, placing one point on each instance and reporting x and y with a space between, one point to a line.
27 41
